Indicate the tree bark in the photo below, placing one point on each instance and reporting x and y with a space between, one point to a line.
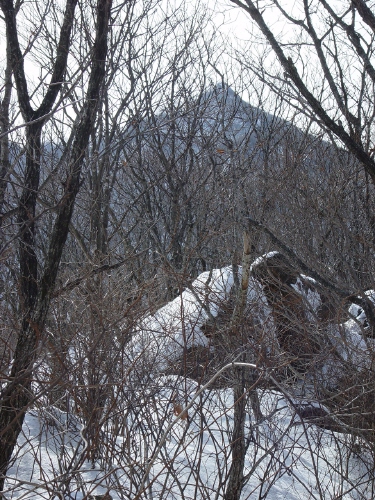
36 293
238 444
4 127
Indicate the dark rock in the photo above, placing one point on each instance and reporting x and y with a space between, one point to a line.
296 332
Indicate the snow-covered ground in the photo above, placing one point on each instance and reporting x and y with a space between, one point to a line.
285 459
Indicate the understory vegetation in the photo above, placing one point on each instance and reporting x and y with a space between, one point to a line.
187 304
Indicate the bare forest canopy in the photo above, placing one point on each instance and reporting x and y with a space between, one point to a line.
140 148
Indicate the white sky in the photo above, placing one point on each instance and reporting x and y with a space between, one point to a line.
230 20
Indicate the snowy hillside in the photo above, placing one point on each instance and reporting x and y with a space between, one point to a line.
285 459
149 447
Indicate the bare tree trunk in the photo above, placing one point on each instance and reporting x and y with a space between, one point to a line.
37 293
4 128
238 445
242 293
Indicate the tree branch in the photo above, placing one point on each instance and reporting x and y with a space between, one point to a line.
314 103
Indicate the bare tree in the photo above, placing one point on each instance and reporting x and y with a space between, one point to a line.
37 287
340 99
167 170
